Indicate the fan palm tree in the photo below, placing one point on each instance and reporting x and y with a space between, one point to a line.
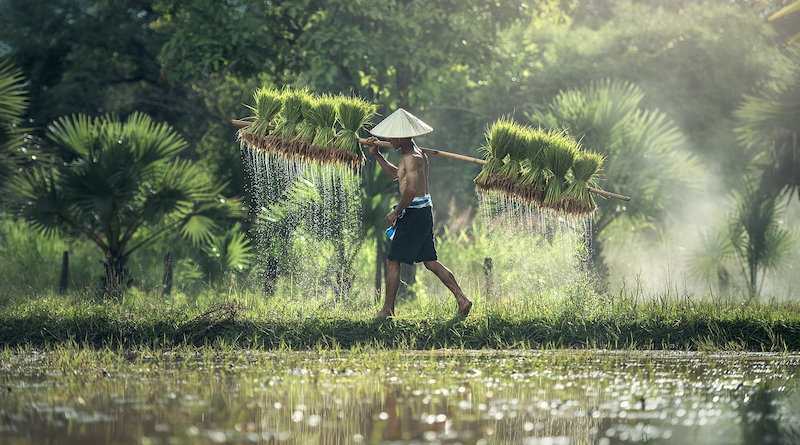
641 146
13 106
767 124
759 241
121 186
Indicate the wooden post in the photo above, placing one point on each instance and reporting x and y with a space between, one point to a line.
487 270
62 284
167 281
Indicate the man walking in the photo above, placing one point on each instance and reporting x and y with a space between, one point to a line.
412 217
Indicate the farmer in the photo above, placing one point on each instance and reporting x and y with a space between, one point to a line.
412 217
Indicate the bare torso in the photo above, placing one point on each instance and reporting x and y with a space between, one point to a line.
416 163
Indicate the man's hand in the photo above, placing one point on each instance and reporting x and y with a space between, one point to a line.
391 217
373 149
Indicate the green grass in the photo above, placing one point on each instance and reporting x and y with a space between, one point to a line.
247 321
541 297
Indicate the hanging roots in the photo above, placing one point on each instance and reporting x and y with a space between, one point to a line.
300 150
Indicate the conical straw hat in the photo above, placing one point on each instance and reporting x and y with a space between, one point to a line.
401 124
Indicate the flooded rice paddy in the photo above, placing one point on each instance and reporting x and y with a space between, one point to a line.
405 397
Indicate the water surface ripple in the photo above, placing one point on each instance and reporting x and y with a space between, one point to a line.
400 397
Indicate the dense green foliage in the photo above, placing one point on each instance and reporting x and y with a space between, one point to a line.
694 72
120 186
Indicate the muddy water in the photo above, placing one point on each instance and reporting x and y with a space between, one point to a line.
377 397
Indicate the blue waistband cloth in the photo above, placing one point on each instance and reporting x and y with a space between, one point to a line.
420 202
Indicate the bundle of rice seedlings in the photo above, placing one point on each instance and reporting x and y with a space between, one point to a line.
306 130
292 115
487 172
517 150
499 136
587 165
533 180
353 114
268 104
558 157
323 116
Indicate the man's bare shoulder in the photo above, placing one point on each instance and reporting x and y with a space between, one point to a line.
413 159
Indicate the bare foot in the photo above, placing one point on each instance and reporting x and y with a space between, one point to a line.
463 308
385 313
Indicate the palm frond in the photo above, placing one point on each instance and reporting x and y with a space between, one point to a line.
13 94
150 142
228 251
78 134
44 205
179 186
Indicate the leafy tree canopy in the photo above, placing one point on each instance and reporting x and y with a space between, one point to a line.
87 56
395 52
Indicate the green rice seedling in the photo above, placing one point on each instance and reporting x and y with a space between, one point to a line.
269 103
518 145
488 171
558 156
517 150
587 165
534 179
306 130
499 136
292 115
353 114
323 116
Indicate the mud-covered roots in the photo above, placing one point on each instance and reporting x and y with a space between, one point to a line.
535 196
301 150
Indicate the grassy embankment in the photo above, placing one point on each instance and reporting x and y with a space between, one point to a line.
248 322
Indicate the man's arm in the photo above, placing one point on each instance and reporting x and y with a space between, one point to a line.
387 166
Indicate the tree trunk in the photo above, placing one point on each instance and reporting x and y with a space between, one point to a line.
62 285
167 281
115 279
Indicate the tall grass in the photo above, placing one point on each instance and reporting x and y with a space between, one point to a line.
31 263
248 321
542 294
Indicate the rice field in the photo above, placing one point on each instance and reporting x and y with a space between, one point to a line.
70 394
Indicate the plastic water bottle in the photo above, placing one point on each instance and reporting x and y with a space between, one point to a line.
390 230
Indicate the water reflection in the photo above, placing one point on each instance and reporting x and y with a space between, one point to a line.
445 397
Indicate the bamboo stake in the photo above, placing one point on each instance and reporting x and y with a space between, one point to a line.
446 154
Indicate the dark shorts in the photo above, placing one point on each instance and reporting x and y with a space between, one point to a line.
413 238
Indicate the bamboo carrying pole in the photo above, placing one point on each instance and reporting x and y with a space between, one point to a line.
446 154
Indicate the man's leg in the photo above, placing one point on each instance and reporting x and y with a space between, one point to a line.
449 280
392 284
